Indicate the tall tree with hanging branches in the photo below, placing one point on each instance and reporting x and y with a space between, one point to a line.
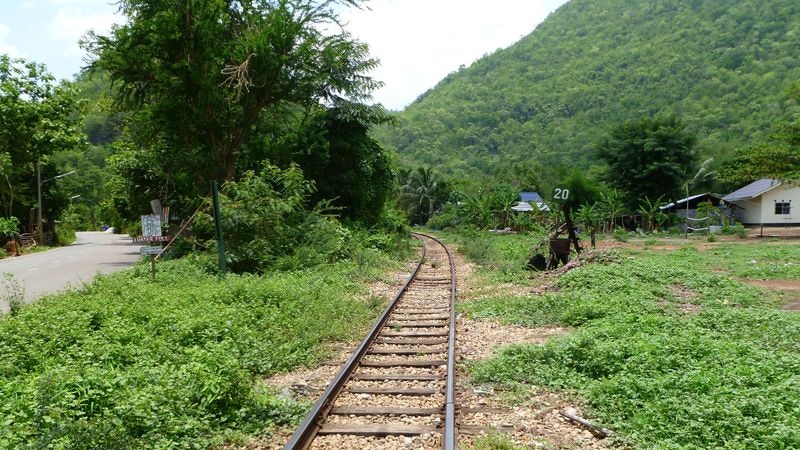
209 82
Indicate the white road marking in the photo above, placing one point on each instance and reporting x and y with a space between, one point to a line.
33 270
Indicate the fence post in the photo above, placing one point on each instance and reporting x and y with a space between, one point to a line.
223 264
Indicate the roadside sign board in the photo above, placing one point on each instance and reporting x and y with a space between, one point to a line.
151 225
150 250
146 239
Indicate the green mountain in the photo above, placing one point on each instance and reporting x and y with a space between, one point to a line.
723 66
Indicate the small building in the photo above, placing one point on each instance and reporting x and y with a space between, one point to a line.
679 207
767 202
688 207
527 200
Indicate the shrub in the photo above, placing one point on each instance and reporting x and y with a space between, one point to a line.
65 235
446 218
78 217
265 222
9 227
740 231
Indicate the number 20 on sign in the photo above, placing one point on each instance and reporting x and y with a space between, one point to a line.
561 194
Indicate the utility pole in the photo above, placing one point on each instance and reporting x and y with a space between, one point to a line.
39 199
39 182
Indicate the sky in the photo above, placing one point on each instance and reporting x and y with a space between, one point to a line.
417 41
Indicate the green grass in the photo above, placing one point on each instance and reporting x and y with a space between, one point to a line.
176 363
502 256
771 260
724 373
498 441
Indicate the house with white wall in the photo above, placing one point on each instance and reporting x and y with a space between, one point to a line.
767 202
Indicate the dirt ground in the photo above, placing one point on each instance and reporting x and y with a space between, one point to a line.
789 290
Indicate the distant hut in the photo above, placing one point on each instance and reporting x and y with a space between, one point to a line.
689 205
530 201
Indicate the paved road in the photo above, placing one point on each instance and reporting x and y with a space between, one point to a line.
54 270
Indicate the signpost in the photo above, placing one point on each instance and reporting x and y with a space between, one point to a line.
151 239
150 250
151 233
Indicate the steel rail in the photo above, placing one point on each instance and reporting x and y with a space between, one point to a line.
309 427
449 434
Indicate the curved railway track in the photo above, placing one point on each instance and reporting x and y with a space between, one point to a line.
400 382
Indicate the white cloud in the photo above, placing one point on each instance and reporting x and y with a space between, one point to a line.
70 24
6 47
420 41
50 3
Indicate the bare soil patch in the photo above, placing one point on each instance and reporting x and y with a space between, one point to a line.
789 290
683 293
782 232
535 422
683 300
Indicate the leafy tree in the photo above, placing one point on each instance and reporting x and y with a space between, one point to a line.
648 158
503 197
591 217
652 216
37 118
490 206
711 213
582 190
612 205
762 161
334 149
209 82
267 224
421 193
779 159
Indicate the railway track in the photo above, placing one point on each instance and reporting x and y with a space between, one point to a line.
398 388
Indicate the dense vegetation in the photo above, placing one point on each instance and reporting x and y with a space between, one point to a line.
37 120
723 66
213 89
668 349
175 363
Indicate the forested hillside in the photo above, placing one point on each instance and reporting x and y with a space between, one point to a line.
723 66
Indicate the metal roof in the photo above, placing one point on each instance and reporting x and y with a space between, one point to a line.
711 197
752 190
522 206
527 207
530 197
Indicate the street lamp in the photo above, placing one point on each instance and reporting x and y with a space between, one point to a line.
39 182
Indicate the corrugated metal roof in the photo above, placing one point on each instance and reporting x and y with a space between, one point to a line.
530 197
527 207
522 206
690 200
752 190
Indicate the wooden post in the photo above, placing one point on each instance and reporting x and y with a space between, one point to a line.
223 264
153 266
571 230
